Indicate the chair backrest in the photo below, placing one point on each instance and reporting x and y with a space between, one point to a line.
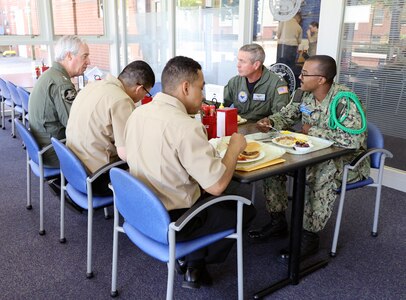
29 141
375 140
71 167
139 206
4 92
15 97
24 96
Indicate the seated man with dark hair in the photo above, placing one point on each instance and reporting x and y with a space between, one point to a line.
170 153
95 130
314 112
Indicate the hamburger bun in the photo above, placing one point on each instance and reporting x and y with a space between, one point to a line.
251 151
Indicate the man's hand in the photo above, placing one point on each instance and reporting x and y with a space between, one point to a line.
306 128
264 125
237 143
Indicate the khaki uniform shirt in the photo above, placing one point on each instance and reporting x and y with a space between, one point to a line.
49 106
97 122
169 151
290 33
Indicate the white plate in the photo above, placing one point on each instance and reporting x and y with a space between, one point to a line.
303 149
275 141
261 156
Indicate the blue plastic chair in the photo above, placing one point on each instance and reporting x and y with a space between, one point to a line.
377 154
147 224
17 108
5 101
79 189
36 165
25 97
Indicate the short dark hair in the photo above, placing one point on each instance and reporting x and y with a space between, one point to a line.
177 70
314 24
138 72
327 66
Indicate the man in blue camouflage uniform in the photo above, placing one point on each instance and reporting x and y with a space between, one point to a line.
54 92
313 111
255 91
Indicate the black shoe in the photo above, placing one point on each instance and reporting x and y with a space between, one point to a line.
180 266
195 277
277 227
308 247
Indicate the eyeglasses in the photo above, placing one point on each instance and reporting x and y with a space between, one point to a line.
148 93
308 75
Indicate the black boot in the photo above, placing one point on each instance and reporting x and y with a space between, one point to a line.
277 227
195 276
308 247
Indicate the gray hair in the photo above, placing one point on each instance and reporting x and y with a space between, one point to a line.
66 44
256 51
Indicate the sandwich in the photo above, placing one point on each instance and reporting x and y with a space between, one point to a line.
250 152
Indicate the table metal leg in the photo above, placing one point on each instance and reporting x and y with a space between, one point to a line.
294 272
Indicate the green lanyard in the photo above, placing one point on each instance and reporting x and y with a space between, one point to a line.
334 122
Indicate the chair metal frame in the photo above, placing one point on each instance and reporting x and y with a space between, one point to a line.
35 164
24 96
377 156
169 249
6 100
16 108
76 168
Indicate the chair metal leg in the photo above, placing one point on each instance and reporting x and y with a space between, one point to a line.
240 272
106 213
29 206
114 291
62 238
171 265
339 216
13 125
89 273
41 199
3 115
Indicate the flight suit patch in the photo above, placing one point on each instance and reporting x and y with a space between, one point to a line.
69 95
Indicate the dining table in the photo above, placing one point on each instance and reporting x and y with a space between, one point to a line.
294 165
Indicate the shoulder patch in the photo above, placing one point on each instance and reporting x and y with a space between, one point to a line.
283 90
69 95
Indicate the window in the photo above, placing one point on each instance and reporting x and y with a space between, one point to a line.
81 17
373 64
19 17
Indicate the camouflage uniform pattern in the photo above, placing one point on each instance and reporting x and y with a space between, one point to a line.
322 179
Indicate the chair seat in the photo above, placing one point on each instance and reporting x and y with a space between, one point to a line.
81 199
48 172
161 251
358 184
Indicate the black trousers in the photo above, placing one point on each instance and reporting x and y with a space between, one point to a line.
219 217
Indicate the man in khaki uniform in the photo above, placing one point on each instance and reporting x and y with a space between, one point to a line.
95 130
170 153
54 92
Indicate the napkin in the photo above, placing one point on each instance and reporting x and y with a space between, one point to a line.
255 166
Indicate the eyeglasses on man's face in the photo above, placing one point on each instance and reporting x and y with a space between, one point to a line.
310 75
148 93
